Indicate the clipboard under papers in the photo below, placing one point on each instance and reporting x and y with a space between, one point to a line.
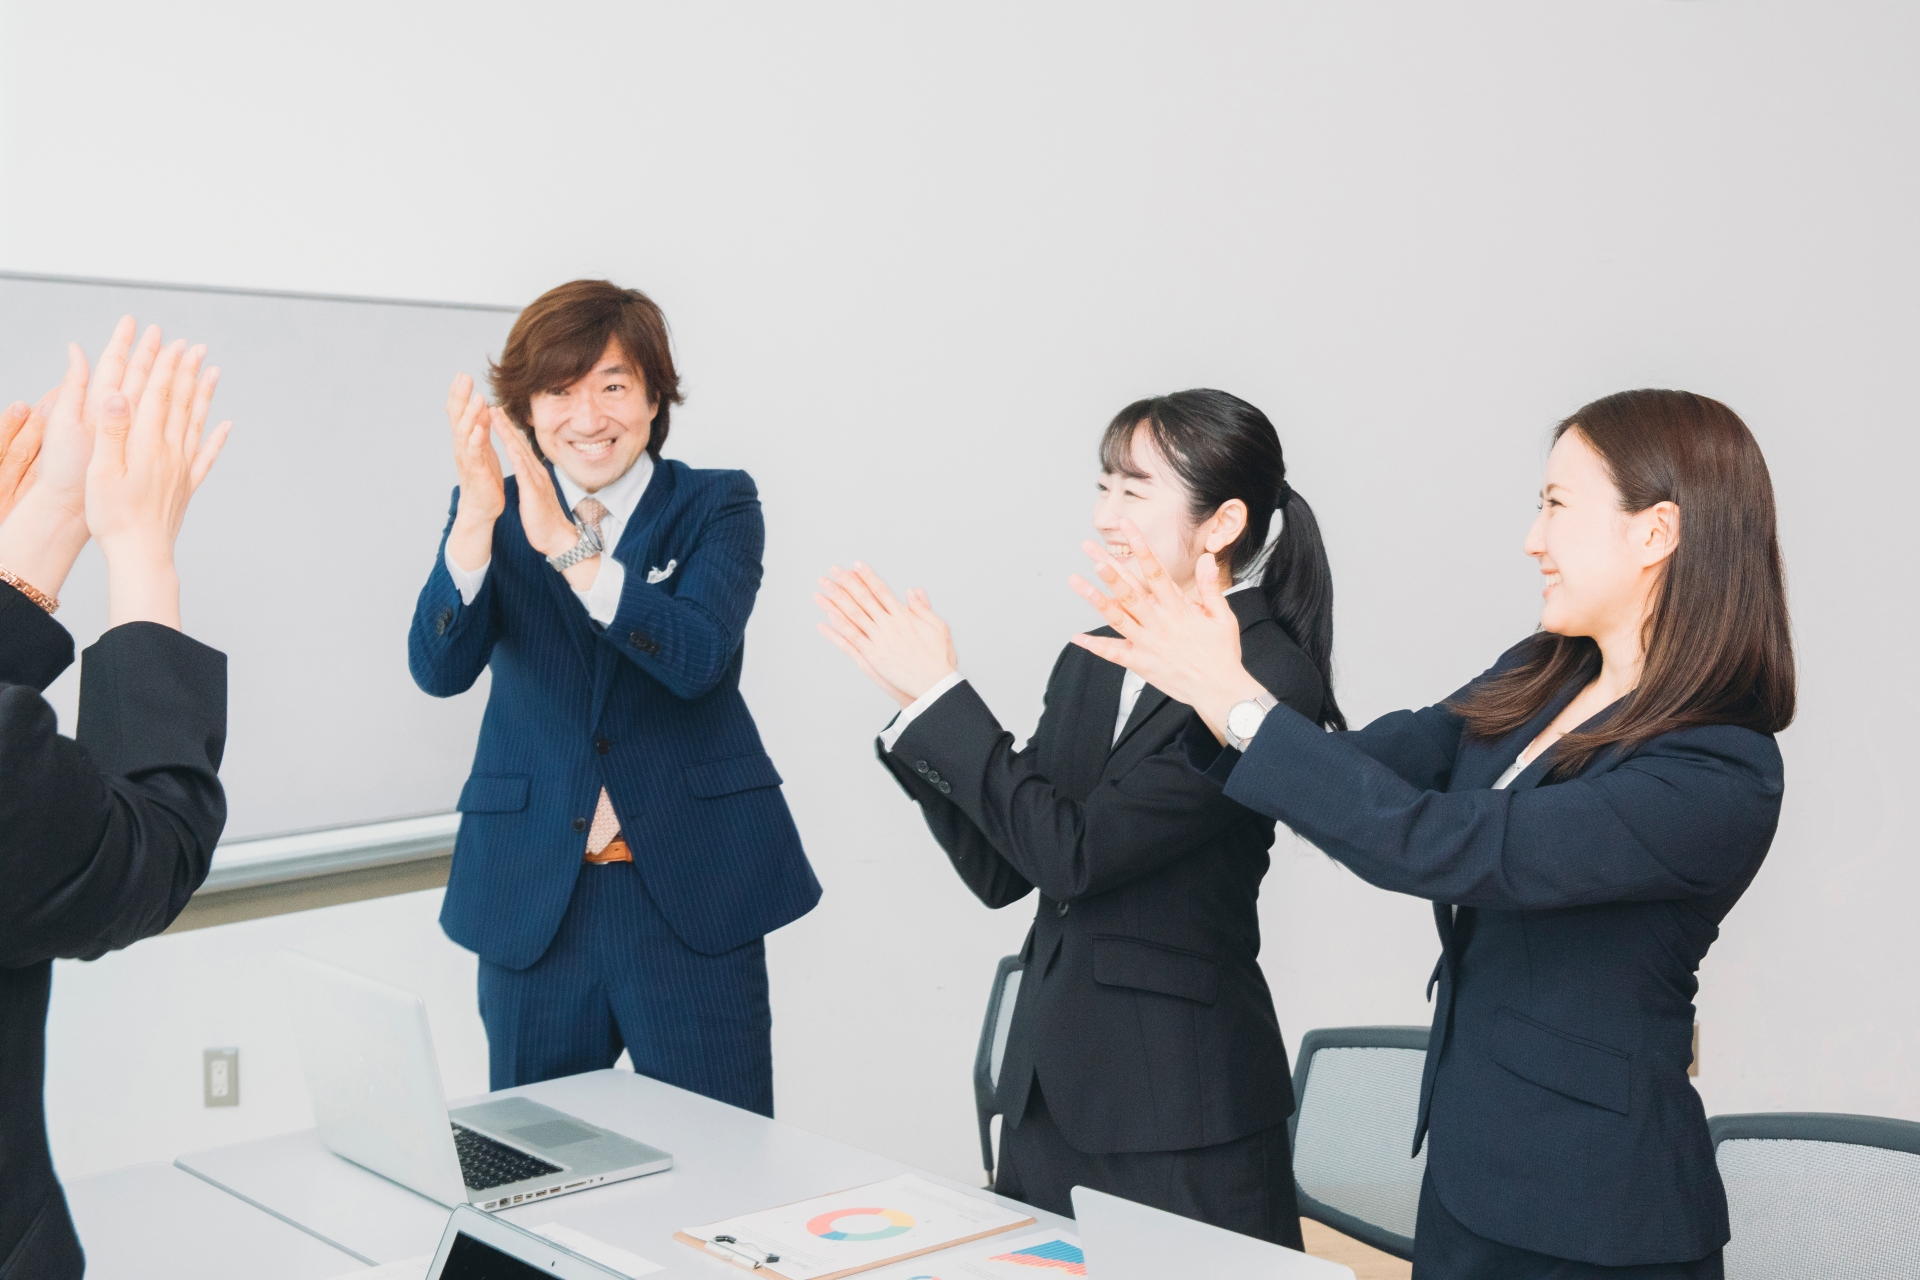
852 1231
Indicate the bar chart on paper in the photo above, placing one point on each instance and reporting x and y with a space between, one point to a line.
1034 1256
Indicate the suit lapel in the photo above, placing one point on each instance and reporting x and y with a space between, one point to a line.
1144 707
1488 759
572 617
1495 758
1094 704
631 552
1249 607
633 539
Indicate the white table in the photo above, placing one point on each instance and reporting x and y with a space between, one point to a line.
725 1161
154 1222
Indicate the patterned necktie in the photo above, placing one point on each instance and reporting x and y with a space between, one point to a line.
591 512
606 826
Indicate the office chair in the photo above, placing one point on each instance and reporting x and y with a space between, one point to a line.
1813 1194
992 1050
1356 1093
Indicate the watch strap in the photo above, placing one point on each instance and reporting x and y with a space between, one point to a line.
586 548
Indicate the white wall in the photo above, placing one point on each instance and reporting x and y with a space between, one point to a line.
916 256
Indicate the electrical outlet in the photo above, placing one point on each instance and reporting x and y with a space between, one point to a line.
220 1077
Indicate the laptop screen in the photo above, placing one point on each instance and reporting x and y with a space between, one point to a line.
471 1259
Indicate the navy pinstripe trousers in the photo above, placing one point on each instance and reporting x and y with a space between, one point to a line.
616 975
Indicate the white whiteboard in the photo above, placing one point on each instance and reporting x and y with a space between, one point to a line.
302 555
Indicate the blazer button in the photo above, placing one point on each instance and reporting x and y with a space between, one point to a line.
946 788
441 620
920 767
1062 908
933 776
580 824
602 745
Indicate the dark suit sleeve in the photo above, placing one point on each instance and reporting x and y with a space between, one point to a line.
992 878
450 642
1690 814
1130 826
686 638
34 649
1419 746
103 839
980 866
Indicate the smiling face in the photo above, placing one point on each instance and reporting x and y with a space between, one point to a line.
1601 564
1161 506
597 428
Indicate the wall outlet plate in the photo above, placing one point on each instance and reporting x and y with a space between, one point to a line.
220 1077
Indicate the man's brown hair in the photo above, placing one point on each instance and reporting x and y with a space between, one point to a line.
558 339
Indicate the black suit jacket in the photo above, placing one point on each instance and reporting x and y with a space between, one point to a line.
102 841
1556 1091
1143 1012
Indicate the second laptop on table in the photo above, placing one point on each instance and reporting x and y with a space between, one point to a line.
379 1102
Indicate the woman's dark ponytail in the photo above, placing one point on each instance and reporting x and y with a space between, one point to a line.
1224 448
1299 583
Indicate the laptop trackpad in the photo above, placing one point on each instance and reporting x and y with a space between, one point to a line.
552 1133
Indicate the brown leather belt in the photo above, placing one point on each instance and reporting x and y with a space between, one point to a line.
616 851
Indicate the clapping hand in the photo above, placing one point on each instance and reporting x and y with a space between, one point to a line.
906 649
22 427
150 452
550 530
483 494
1186 646
43 476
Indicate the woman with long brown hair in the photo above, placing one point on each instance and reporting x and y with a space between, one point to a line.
1583 816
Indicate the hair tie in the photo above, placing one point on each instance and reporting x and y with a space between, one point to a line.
1283 497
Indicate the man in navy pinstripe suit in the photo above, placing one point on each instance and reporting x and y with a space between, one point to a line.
624 846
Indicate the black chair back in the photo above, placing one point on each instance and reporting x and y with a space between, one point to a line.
992 1051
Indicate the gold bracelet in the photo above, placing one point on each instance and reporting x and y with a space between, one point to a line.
28 590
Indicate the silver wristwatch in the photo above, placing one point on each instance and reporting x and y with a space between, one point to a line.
587 548
1245 718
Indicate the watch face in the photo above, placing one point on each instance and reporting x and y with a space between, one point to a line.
1244 719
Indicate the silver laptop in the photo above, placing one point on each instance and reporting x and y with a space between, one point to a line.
1128 1241
378 1101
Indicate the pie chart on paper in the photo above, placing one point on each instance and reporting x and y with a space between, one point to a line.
861 1225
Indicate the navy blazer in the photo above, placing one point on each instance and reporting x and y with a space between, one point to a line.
649 708
1556 1087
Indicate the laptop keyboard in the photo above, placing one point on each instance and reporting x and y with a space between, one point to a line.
485 1162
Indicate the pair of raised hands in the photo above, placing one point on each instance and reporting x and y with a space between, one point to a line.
1184 643
115 453
483 495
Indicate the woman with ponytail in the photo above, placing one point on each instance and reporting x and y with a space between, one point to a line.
1144 1058
1582 815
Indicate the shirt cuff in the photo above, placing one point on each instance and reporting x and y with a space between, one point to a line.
898 725
468 583
603 598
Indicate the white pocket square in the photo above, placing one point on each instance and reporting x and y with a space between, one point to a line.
661 575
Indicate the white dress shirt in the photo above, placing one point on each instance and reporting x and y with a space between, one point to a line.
620 498
1130 687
